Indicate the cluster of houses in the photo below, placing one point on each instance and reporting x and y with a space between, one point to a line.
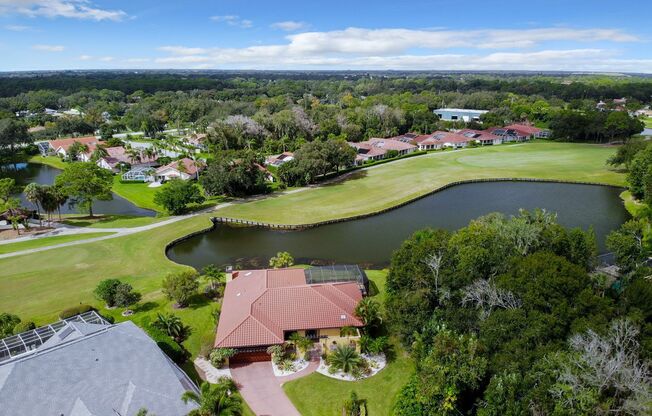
143 166
377 149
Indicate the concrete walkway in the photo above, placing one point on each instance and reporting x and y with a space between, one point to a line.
262 390
63 229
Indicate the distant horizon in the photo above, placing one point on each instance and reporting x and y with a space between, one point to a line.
421 35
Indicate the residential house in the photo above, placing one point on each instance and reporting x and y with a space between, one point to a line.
118 156
483 138
198 141
528 131
459 114
84 366
519 132
377 149
440 140
278 160
184 169
264 307
60 147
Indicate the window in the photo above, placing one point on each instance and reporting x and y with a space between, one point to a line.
453 117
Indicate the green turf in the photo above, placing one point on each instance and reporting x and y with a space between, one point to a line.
53 161
648 122
110 221
319 395
384 186
138 193
46 241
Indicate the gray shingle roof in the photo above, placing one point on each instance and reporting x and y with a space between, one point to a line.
115 370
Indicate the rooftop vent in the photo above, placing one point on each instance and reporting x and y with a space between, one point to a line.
343 317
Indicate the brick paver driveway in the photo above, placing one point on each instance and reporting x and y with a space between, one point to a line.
262 390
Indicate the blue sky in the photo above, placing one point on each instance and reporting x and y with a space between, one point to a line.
576 35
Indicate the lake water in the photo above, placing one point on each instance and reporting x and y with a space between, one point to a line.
371 241
25 173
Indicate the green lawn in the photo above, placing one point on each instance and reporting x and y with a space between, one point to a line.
319 395
46 241
53 161
110 221
648 122
138 193
384 186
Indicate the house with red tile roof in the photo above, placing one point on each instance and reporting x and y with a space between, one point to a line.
483 138
60 146
440 140
263 307
118 155
278 160
518 132
377 149
184 169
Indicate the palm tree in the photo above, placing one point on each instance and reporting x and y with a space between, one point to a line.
33 194
48 201
172 326
99 153
368 310
345 358
214 276
133 154
215 400
60 197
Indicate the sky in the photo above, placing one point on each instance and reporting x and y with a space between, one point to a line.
545 35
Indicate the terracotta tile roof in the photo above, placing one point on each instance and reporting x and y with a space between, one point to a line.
441 137
524 129
478 134
390 144
118 154
260 305
66 143
191 166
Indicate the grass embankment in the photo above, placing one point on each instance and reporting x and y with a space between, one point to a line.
53 161
319 395
38 286
648 122
46 241
110 221
393 183
138 193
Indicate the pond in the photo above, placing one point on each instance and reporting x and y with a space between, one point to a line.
25 173
370 241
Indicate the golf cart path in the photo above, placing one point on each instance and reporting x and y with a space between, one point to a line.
62 229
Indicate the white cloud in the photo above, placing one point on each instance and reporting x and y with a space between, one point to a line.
233 20
74 9
85 58
181 50
136 60
49 48
107 58
289 25
17 28
395 48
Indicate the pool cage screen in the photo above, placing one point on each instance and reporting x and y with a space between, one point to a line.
338 273
16 345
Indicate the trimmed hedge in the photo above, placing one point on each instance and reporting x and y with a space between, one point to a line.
75 310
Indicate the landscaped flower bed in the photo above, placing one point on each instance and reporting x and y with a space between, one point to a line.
288 367
375 363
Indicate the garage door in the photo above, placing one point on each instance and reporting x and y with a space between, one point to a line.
250 357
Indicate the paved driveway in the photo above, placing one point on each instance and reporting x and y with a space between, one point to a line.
262 390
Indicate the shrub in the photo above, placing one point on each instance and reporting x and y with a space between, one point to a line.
172 326
282 259
125 296
181 287
173 350
277 352
7 324
75 310
24 326
106 290
219 356
346 359
287 365
373 345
